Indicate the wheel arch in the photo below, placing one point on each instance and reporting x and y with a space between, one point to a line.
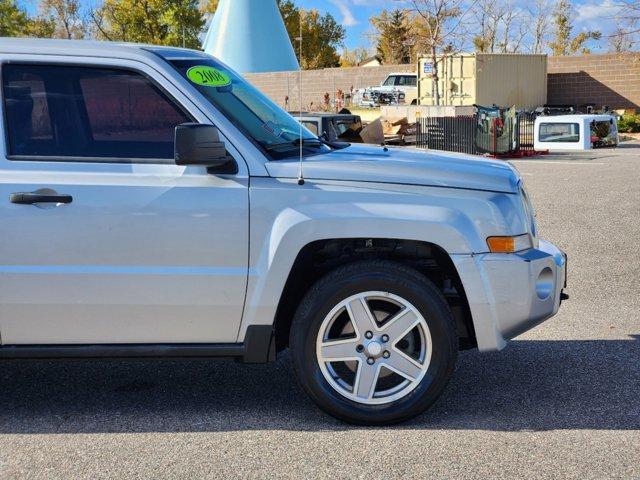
317 258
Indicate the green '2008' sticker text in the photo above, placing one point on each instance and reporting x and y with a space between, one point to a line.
208 76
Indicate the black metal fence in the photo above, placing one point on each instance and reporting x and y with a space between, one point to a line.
478 134
524 127
453 134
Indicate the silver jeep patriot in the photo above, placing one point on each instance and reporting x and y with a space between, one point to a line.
155 204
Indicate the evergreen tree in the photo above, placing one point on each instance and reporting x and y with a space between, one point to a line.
393 37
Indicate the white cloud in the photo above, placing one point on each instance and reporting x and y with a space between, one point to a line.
348 19
595 15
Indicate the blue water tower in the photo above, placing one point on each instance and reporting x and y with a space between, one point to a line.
250 36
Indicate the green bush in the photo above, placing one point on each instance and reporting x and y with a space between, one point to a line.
629 124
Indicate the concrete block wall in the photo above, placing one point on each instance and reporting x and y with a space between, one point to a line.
315 83
609 79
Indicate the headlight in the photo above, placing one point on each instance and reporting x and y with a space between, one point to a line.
510 244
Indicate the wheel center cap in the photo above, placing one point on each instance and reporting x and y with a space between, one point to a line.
374 349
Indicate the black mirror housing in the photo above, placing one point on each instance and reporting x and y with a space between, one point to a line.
199 144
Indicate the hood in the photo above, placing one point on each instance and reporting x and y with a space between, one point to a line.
402 166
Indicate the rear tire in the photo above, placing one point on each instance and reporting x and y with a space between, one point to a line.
373 343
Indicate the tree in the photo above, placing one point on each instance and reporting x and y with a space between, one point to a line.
438 29
41 27
184 23
352 58
622 39
321 37
209 6
502 26
627 18
540 25
514 29
65 17
393 37
563 43
13 20
488 15
629 10
159 22
289 13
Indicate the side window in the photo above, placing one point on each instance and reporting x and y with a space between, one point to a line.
408 81
27 113
559 132
603 132
311 126
87 114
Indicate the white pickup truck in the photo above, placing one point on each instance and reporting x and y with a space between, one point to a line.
397 88
154 205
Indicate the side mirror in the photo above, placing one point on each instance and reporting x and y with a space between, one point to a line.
199 144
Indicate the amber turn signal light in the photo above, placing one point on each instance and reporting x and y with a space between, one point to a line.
509 244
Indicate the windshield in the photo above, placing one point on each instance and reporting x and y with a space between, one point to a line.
390 81
260 119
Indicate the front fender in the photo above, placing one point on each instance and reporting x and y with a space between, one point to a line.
286 217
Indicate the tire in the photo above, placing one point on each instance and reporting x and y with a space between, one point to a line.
346 299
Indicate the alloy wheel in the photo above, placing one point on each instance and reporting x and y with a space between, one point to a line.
374 347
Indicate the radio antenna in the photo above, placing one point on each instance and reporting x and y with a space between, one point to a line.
300 174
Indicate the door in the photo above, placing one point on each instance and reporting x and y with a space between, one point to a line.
122 245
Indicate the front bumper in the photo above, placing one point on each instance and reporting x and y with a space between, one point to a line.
509 294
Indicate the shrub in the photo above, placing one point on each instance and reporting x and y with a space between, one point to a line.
629 124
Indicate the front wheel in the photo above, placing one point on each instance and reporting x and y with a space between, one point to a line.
373 342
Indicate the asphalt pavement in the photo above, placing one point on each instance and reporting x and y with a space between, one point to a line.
561 401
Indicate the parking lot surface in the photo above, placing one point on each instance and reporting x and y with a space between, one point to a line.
561 401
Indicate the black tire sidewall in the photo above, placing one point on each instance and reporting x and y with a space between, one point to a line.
386 277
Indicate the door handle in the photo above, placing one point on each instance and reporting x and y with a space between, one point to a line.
30 198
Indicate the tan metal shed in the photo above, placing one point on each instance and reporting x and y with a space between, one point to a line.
503 79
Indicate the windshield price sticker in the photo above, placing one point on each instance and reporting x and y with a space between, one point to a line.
208 76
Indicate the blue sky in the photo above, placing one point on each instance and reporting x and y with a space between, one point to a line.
354 14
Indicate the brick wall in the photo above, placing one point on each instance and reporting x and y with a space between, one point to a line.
609 79
315 83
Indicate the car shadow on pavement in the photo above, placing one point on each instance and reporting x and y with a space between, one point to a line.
532 385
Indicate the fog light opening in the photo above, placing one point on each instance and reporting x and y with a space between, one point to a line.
544 284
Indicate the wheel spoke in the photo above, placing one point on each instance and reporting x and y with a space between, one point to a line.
400 363
401 324
361 316
366 380
337 350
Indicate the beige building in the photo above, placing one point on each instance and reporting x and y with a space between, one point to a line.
370 62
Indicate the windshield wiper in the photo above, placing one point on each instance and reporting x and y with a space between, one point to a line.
296 143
